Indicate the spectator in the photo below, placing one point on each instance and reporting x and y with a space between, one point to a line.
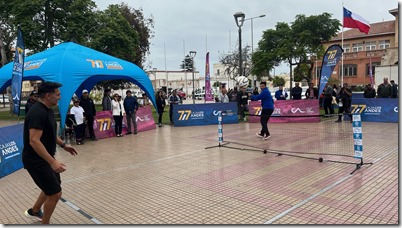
79 129
242 101
328 107
384 89
223 97
233 95
174 99
311 92
267 104
281 94
107 100
394 89
160 103
296 92
255 91
38 155
345 102
33 98
89 112
369 91
144 101
118 113
131 106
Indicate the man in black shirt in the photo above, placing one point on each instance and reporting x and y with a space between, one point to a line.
40 139
33 97
90 112
296 92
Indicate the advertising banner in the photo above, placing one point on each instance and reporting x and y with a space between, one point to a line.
104 127
295 111
204 114
18 71
329 61
376 109
11 145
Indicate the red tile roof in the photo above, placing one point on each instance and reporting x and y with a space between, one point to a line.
386 27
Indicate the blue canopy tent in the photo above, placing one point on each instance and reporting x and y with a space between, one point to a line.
77 67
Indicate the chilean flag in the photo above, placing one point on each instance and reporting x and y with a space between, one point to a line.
352 20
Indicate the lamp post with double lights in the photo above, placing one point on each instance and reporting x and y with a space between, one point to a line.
192 55
252 39
239 18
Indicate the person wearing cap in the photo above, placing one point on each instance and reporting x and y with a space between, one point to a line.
79 129
90 112
107 100
131 106
33 98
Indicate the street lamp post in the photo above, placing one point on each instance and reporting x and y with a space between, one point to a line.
252 39
239 18
154 71
192 55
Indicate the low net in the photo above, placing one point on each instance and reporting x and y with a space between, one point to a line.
324 140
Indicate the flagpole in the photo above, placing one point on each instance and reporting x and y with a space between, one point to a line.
342 46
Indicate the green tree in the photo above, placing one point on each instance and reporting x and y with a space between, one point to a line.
144 27
187 64
294 44
278 81
115 37
48 22
231 62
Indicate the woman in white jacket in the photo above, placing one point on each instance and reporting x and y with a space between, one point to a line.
118 114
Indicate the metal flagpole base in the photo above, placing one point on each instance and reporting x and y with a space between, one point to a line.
358 166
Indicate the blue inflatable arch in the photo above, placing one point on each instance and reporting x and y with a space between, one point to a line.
77 67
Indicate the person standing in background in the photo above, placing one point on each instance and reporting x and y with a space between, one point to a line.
296 92
369 91
384 89
174 99
118 114
107 101
281 94
160 104
90 112
79 129
394 89
131 106
33 98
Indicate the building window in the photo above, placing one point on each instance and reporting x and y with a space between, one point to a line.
384 44
350 70
370 46
357 47
368 68
346 48
218 72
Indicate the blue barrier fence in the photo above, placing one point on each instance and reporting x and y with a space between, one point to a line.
11 145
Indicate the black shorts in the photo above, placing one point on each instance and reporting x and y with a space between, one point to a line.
46 179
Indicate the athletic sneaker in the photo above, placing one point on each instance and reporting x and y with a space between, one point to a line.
30 214
266 137
259 135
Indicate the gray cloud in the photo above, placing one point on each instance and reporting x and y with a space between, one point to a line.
209 24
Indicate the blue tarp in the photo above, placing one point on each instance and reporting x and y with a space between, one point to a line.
77 68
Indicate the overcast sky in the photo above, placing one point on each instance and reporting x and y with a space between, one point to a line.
208 25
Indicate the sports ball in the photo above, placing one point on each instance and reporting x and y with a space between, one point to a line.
242 81
320 160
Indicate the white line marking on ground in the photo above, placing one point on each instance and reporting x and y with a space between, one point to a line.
319 193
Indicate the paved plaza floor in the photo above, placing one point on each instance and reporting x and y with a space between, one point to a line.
167 176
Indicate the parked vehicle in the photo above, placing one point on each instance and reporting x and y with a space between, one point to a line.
180 93
4 99
200 94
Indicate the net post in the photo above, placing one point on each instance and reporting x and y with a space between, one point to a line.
220 132
358 140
